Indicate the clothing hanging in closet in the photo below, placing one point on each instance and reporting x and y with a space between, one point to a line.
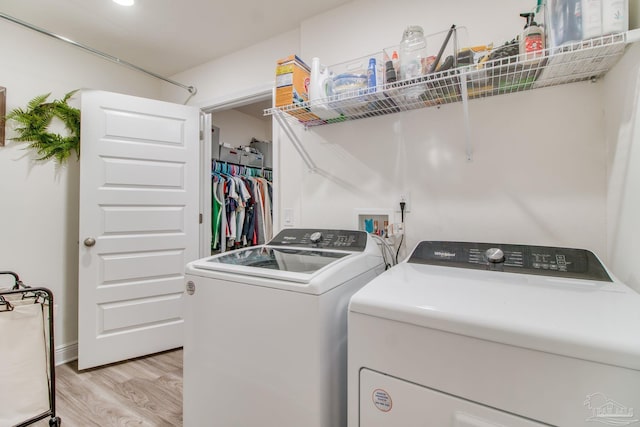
241 206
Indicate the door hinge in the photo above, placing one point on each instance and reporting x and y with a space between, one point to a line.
200 218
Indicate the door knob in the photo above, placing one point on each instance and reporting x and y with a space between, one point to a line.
89 241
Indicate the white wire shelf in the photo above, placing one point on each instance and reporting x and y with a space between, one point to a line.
586 60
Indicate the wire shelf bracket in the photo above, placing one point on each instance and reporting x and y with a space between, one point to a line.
295 141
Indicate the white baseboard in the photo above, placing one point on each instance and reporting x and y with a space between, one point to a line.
66 353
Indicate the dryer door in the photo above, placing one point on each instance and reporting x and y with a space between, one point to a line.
389 401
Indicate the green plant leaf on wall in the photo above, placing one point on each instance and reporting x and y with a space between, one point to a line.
33 126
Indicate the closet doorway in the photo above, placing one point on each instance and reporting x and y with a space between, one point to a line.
241 188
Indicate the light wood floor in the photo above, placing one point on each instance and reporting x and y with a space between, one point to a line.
142 392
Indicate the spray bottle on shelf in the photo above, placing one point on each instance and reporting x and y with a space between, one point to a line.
319 90
396 64
532 38
390 69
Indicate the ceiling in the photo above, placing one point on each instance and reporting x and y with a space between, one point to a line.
166 36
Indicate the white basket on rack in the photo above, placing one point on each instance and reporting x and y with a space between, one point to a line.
24 369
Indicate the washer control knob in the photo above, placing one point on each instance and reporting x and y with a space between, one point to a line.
494 255
315 237
191 287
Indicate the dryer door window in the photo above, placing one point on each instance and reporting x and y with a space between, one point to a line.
389 401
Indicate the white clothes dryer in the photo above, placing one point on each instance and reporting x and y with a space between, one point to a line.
482 335
266 330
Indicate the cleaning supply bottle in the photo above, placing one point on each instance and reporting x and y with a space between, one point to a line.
372 81
532 38
395 60
390 72
319 90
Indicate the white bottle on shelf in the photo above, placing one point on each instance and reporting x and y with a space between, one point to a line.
615 16
591 18
603 17
319 81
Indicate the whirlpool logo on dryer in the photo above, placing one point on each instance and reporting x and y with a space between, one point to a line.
608 411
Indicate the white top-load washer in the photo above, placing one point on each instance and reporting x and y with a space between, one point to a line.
480 335
266 330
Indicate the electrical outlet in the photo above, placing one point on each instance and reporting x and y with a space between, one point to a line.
288 217
396 229
406 198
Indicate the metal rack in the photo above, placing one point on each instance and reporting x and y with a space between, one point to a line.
586 60
28 375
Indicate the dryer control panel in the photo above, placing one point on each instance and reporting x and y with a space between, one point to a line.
524 259
346 240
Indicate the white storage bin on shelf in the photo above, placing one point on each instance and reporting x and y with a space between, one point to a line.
439 82
241 156
354 89
353 82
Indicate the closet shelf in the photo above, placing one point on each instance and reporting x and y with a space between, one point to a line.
586 60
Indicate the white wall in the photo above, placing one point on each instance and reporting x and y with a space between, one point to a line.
545 185
622 133
538 173
237 128
237 76
39 200
365 26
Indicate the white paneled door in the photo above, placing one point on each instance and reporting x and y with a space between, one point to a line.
138 224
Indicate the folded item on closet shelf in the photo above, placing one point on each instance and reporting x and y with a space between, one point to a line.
248 149
255 140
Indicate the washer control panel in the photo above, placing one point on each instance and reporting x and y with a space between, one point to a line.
346 240
525 259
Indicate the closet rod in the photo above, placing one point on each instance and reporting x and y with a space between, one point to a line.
192 90
241 165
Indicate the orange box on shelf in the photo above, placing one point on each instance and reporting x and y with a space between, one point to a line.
292 86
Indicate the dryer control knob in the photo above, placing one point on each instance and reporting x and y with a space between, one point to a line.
315 237
494 255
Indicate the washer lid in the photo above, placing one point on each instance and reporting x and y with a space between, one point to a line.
586 319
290 264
